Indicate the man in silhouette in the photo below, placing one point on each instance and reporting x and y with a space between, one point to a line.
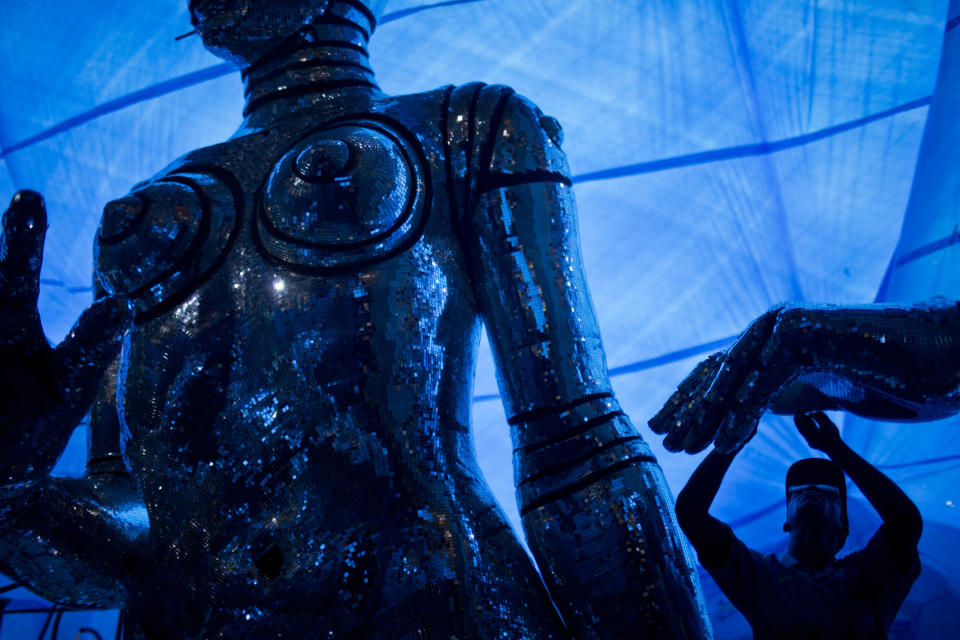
807 592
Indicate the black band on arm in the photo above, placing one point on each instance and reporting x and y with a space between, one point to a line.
562 449
582 482
498 180
538 426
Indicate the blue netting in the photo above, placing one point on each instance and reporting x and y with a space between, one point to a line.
728 155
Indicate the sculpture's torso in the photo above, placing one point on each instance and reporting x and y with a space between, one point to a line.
295 396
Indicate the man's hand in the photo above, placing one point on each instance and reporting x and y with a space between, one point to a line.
44 391
819 431
901 517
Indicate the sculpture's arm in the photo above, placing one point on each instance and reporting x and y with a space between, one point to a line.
596 510
889 362
63 537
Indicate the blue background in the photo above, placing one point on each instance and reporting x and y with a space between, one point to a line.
728 155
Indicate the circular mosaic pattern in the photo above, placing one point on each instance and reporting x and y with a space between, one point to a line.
346 196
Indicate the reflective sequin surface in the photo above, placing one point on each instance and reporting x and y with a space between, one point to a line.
889 362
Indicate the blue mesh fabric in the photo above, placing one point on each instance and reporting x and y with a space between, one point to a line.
727 155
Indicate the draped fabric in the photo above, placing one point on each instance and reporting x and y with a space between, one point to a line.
727 155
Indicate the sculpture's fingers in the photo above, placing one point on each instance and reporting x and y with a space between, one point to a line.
739 363
749 403
690 419
695 412
679 405
715 400
736 430
766 375
21 250
704 428
742 356
674 440
82 357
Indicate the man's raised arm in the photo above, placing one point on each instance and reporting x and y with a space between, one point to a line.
900 515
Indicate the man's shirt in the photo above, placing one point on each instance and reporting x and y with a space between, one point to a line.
856 596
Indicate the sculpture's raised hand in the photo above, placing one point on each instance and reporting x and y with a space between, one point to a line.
723 398
44 390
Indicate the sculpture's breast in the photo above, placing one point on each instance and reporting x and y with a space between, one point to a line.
158 243
348 196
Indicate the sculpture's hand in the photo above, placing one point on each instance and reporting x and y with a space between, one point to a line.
44 391
726 394
885 362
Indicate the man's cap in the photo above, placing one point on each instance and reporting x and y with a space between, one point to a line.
822 471
817 471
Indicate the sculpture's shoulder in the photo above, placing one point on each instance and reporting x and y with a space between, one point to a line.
494 136
486 111
475 112
155 244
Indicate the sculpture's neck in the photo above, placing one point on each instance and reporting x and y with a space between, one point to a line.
325 72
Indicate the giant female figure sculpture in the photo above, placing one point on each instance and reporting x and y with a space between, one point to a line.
282 446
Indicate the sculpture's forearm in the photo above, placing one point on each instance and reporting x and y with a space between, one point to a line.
879 361
33 430
599 519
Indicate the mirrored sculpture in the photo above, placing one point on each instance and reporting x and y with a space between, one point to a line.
282 445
